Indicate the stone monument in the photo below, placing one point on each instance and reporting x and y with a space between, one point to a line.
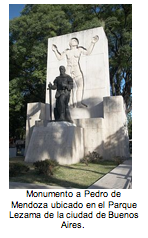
99 120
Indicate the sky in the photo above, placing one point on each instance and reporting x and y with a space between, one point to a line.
14 10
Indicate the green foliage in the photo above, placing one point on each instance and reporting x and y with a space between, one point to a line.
16 169
92 157
45 167
29 35
129 117
119 32
119 159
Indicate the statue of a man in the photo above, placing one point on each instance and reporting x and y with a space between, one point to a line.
63 84
73 66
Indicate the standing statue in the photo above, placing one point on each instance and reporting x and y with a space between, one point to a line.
73 66
63 84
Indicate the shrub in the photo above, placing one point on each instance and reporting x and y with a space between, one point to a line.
45 167
16 169
119 159
92 157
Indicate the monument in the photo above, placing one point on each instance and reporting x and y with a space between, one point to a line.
94 120
63 84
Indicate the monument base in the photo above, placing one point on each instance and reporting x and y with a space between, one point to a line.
60 141
108 136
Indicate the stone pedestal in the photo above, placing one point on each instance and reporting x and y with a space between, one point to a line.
60 141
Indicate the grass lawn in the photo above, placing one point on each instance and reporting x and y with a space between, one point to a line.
75 176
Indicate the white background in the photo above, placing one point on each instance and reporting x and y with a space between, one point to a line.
139 193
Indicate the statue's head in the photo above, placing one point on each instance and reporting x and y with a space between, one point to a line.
62 69
74 42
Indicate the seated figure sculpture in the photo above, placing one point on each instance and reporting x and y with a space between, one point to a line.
63 84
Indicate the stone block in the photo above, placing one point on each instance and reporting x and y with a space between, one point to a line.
116 141
94 67
93 134
113 104
60 141
87 112
108 135
35 112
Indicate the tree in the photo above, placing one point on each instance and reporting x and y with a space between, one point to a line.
130 125
119 31
29 35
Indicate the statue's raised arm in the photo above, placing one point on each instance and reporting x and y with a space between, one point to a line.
92 44
57 53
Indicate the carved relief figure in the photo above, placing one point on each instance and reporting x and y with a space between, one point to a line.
73 66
